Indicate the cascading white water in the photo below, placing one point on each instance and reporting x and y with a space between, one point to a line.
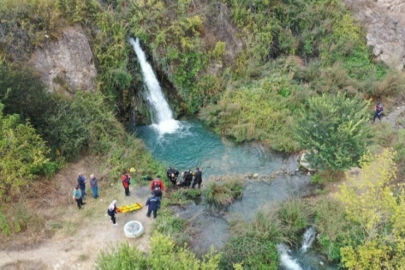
307 239
286 260
162 116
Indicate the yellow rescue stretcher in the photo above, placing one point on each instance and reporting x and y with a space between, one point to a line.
129 208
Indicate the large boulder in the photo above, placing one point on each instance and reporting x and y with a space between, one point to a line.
66 64
384 21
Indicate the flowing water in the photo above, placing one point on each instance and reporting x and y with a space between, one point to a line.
162 115
303 258
187 144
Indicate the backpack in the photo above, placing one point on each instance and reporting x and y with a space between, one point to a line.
157 185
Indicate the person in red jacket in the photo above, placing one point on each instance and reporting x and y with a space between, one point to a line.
157 184
126 178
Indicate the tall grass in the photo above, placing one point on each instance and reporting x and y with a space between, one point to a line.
334 230
222 194
294 216
254 243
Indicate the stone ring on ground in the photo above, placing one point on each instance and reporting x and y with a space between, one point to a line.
133 229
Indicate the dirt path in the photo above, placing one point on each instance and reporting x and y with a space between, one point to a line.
83 233
394 118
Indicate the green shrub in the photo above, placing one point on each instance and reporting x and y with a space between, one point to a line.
16 218
4 226
168 224
294 215
163 254
22 154
334 230
334 129
224 193
122 257
261 111
24 93
253 244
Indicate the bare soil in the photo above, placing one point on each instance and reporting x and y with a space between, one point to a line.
76 236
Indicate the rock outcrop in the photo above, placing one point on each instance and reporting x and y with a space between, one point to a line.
384 21
66 64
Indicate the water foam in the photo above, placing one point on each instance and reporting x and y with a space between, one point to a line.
285 259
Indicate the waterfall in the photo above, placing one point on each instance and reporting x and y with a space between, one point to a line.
293 260
307 239
286 260
162 115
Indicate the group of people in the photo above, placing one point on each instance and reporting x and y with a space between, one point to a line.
79 192
156 186
187 177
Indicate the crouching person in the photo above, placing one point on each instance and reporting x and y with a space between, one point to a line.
112 210
153 204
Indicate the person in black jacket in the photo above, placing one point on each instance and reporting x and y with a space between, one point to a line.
153 204
197 178
172 174
187 179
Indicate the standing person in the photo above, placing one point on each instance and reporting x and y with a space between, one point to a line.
126 181
197 178
94 186
378 111
77 195
153 204
112 210
157 183
81 181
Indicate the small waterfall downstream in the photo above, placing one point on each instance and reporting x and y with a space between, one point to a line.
286 260
293 261
162 115
308 238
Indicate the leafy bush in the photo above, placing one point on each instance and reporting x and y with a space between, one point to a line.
263 111
163 254
373 200
22 154
334 230
334 129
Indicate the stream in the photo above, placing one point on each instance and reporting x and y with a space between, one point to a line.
187 144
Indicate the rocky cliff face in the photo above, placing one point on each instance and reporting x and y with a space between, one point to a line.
66 64
384 21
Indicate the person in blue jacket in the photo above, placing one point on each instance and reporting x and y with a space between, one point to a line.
153 204
378 111
81 182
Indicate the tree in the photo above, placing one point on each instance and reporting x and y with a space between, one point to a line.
22 154
334 129
373 201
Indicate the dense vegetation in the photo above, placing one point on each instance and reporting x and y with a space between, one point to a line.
268 70
163 254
